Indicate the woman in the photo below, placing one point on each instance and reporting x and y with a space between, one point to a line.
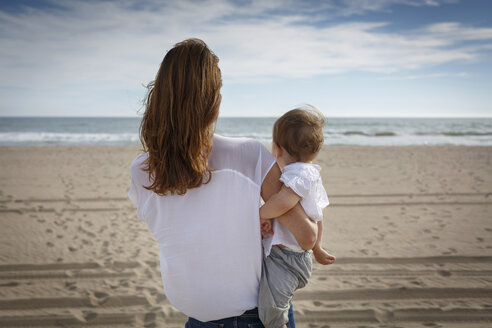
199 194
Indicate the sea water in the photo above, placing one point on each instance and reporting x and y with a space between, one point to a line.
337 131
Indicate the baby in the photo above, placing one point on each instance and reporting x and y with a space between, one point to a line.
297 139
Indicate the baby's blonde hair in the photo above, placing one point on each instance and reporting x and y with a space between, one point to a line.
300 132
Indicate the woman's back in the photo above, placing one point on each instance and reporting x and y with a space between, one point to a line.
209 238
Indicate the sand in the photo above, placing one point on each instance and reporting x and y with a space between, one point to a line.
411 228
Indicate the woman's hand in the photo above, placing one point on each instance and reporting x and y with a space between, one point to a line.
266 227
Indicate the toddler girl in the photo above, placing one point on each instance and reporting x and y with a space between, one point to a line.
297 139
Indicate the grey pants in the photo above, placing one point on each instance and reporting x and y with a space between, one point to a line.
282 273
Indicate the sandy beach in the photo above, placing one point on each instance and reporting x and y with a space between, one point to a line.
411 228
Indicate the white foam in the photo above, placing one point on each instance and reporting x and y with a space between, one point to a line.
46 138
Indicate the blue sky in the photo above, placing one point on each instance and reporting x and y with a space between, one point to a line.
396 58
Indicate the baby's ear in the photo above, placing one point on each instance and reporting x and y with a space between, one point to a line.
275 149
280 151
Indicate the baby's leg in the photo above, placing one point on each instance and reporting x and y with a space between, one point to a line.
273 306
322 256
282 273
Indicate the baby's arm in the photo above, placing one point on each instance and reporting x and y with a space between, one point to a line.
296 220
279 203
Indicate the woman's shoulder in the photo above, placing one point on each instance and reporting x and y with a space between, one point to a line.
136 168
138 161
237 147
247 156
235 143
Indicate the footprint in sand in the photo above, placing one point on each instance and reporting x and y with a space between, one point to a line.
89 315
10 284
451 251
124 283
83 316
71 285
111 285
98 298
50 244
87 242
148 320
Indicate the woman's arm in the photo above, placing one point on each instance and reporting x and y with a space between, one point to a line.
304 230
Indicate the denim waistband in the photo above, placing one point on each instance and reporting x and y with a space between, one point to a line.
250 313
253 313
247 319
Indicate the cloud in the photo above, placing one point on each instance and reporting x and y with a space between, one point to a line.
119 45
426 76
359 7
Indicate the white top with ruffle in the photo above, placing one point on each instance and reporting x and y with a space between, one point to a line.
305 180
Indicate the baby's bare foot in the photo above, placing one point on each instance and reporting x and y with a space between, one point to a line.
322 256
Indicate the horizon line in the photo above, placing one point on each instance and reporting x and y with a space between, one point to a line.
233 116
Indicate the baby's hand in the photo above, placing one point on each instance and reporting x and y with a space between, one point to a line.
266 227
322 256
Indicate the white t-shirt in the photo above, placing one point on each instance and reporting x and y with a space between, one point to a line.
305 180
209 238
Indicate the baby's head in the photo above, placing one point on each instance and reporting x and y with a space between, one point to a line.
299 132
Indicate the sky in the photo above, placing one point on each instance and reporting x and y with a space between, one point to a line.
349 58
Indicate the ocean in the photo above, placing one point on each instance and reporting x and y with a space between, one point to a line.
40 131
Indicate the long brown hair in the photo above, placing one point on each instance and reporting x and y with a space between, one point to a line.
181 107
